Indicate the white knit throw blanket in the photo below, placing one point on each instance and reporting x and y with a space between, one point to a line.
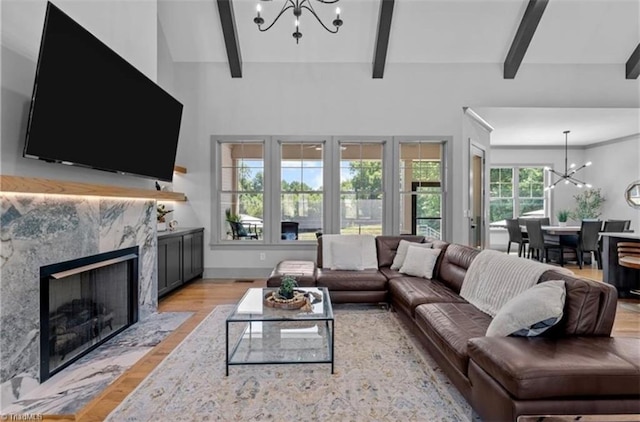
493 278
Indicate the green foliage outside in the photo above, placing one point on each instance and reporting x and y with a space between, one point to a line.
365 181
529 192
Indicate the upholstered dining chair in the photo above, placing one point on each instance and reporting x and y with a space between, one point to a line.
588 241
515 236
538 248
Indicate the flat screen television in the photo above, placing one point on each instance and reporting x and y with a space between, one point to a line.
91 108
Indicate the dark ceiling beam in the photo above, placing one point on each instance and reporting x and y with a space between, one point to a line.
633 64
523 37
382 38
225 8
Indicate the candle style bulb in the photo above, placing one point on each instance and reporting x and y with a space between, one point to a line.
338 11
258 8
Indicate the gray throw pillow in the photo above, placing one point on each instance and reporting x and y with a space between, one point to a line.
530 313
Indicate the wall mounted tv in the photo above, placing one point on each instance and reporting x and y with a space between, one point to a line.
91 108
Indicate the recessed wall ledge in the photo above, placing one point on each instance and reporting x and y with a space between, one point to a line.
19 184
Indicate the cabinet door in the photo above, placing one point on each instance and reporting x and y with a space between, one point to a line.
198 253
188 256
162 267
169 264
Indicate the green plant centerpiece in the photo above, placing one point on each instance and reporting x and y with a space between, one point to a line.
588 204
563 216
287 287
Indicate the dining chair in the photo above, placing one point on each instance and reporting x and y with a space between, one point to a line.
588 241
515 236
616 225
538 247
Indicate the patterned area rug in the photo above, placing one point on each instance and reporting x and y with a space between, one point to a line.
379 375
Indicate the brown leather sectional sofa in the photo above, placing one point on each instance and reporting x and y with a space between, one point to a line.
574 368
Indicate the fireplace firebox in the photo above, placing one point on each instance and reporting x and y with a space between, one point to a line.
83 303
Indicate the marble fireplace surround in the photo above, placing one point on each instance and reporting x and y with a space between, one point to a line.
41 229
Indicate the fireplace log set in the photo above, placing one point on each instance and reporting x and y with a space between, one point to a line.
76 323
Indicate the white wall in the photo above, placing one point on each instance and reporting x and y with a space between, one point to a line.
615 165
343 99
476 132
128 26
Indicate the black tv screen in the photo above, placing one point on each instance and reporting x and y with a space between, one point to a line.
91 108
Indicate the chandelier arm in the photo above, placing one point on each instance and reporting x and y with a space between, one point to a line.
557 173
284 9
318 19
574 171
573 179
554 184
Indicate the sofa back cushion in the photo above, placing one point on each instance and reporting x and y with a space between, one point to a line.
455 261
363 249
589 308
386 247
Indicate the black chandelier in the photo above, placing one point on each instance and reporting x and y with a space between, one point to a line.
568 175
297 7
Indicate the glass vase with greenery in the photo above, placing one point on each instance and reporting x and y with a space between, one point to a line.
588 205
563 216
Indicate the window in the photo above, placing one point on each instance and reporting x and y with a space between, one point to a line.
501 194
421 188
301 190
241 195
517 192
283 192
361 188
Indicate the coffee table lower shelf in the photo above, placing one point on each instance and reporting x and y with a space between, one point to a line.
281 342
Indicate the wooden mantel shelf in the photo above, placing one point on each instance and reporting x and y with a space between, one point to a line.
35 185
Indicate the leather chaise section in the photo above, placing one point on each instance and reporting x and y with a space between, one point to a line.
542 368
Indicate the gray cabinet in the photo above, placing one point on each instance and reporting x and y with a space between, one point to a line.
180 258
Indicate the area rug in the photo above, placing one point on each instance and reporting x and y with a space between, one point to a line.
379 375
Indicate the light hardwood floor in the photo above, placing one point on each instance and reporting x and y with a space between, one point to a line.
201 296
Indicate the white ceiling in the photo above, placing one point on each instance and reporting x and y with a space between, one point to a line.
529 126
434 31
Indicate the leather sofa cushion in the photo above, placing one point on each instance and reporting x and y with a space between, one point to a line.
455 262
449 326
389 273
351 280
303 271
414 291
589 308
388 245
539 367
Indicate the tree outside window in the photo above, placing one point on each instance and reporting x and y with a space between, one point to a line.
301 187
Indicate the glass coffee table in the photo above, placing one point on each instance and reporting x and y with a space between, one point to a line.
264 335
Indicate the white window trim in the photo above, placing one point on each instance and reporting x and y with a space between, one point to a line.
547 197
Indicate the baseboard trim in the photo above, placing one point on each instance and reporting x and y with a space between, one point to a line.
233 273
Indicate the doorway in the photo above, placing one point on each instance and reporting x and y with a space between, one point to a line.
476 196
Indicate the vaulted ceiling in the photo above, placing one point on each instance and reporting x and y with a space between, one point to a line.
581 32
422 31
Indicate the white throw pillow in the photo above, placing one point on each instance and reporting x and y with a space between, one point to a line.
420 262
401 252
345 257
530 313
